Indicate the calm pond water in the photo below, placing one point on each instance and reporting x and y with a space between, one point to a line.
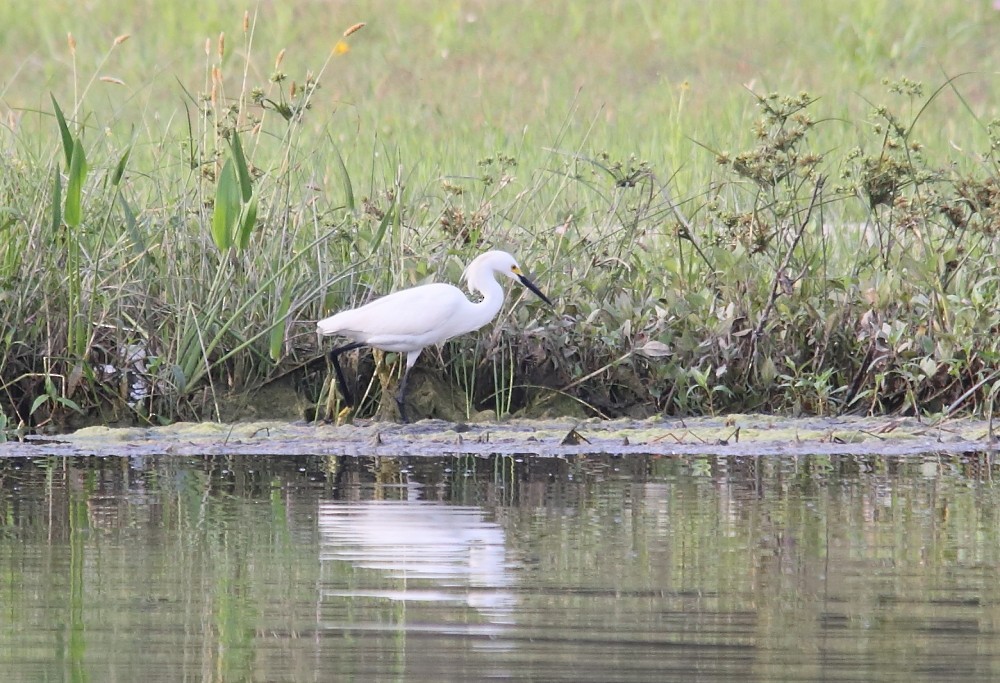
323 568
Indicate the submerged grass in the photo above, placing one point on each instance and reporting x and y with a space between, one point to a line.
174 216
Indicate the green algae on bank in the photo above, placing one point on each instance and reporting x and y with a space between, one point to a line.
751 435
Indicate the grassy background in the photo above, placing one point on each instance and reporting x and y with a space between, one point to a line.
584 137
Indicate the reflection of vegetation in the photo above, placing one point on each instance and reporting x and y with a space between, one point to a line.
77 603
213 563
188 556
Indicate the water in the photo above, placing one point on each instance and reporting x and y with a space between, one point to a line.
599 568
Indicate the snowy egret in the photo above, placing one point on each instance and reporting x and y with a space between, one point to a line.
409 320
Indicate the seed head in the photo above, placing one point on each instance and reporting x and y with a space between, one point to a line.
354 29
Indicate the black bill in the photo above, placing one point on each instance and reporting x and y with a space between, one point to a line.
531 285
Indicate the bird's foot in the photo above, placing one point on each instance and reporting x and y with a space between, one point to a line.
402 411
333 407
343 415
331 399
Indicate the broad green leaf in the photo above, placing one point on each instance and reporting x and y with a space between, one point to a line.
227 207
242 169
73 212
67 137
120 168
69 403
57 202
382 227
247 221
37 403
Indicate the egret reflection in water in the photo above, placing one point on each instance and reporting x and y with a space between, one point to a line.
420 551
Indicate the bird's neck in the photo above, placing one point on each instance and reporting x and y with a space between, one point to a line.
487 309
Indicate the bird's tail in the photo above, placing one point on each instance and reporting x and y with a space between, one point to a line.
328 326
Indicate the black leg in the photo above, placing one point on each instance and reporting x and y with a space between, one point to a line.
345 393
401 395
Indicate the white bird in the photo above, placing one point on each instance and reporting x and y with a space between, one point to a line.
411 319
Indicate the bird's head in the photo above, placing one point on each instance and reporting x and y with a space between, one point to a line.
485 265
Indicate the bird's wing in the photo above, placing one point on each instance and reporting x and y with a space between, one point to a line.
401 321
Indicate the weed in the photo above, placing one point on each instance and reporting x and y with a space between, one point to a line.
153 264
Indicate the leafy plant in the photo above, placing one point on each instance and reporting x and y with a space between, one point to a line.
841 257
235 212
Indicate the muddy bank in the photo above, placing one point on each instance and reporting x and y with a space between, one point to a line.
751 435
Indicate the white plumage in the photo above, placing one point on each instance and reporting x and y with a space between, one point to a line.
409 320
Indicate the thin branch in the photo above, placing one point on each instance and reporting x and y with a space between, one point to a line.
776 282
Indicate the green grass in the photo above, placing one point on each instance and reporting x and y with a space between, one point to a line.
630 155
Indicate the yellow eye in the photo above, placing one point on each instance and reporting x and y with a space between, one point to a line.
515 270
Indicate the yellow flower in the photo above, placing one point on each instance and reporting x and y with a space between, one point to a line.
341 47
